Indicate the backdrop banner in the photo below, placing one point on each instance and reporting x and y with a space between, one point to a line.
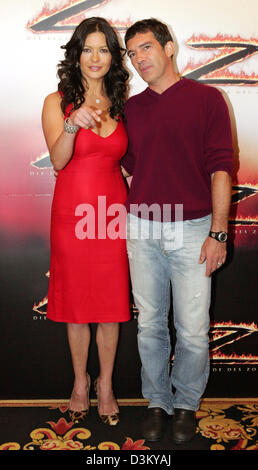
217 44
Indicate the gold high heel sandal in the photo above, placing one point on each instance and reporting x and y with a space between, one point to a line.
79 416
110 419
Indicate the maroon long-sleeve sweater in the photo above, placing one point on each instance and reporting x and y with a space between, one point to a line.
177 139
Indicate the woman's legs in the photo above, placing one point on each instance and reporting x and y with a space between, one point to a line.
107 339
79 340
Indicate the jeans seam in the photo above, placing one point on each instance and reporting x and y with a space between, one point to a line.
165 311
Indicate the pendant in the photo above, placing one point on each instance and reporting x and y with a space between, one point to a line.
97 100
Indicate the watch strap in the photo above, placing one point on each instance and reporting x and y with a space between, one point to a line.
219 236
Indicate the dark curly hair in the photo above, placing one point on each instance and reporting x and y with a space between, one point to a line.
70 76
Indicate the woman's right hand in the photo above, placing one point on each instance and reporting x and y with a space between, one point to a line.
84 117
60 143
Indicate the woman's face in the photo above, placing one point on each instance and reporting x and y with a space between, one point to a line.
95 58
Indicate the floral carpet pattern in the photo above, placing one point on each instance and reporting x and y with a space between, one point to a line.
222 424
215 423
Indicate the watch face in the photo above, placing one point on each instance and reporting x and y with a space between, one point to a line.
222 236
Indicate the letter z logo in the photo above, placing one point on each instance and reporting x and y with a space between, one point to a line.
51 20
215 70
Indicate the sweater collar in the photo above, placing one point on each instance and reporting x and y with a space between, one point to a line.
168 91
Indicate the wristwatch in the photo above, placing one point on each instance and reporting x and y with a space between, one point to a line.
220 236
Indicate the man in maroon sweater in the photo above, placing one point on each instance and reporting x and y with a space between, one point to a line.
180 158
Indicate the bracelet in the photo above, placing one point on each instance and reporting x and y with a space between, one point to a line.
69 128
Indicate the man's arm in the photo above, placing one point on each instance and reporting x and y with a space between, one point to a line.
213 251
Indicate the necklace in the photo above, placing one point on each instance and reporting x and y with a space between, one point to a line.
97 100
101 101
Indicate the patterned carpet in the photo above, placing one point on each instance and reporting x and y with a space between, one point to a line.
222 424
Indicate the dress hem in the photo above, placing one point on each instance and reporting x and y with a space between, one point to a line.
89 321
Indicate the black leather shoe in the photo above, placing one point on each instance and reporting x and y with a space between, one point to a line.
154 425
183 425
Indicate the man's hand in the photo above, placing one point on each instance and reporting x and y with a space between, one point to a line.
214 253
124 172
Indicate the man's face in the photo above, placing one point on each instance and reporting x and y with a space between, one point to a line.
149 58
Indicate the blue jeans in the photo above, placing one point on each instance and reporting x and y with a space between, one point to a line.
157 260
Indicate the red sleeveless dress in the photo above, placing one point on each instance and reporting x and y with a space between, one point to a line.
89 274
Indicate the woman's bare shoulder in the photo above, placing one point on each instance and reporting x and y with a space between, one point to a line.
52 105
53 98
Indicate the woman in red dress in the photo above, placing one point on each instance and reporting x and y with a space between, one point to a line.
89 277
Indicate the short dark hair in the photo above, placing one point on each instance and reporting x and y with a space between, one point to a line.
160 30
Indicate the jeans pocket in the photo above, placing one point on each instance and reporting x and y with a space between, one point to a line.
199 221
